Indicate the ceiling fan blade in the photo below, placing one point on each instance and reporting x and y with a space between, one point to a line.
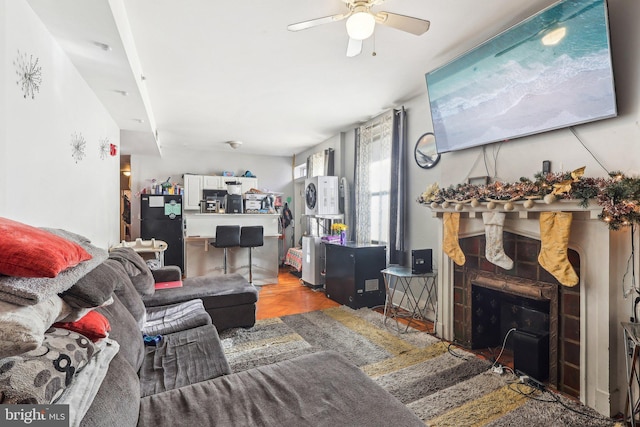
354 48
318 21
409 24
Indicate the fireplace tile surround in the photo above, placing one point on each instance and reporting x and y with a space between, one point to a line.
527 274
591 355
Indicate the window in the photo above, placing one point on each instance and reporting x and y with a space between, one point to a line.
373 177
379 186
300 171
381 183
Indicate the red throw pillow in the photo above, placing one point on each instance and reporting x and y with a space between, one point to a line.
31 252
92 325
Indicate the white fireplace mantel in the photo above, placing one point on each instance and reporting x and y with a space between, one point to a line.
600 347
519 208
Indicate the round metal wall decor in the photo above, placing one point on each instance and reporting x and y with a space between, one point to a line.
425 152
78 146
29 74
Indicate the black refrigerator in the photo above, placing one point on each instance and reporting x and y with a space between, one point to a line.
161 219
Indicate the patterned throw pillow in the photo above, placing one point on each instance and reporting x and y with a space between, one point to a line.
31 252
41 375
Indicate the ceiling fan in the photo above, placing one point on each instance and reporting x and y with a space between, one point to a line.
361 22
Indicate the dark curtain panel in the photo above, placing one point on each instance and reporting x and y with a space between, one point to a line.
397 201
329 162
352 233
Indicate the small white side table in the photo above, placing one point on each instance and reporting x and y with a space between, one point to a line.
153 246
400 278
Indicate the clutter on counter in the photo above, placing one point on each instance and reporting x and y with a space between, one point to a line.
165 187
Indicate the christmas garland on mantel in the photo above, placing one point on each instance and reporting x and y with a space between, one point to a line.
618 195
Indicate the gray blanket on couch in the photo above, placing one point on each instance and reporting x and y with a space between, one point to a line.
319 389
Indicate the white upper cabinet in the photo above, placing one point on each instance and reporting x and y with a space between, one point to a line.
248 183
192 192
213 183
194 184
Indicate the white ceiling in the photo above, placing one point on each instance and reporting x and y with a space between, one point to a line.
203 72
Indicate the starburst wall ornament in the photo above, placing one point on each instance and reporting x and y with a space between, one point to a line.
78 146
29 75
104 149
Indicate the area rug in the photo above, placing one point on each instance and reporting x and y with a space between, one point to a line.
442 384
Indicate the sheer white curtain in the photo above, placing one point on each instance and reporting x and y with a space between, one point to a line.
381 182
315 164
320 163
373 156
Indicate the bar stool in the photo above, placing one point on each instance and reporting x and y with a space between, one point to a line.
251 237
227 236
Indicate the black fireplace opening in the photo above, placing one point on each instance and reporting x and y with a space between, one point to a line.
495 313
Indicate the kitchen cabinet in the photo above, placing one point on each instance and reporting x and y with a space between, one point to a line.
192 192
194 184
210 182
247 183
353 274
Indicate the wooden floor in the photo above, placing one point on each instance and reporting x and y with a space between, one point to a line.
290 296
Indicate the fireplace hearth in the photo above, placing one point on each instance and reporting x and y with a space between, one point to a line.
502 304
493 301
590 354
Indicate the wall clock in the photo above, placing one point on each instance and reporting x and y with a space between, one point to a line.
29 75
425 152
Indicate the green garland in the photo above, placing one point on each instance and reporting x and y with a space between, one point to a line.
618 195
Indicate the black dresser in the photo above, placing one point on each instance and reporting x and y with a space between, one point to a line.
353 275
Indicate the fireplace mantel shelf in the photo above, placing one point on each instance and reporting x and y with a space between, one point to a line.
517 209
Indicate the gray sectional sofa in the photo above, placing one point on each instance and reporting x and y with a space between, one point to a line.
185 381
162 363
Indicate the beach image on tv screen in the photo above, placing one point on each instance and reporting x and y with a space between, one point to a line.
551 71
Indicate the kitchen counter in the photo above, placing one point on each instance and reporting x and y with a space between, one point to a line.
204 224
201 258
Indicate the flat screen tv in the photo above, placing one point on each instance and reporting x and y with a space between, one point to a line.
550 71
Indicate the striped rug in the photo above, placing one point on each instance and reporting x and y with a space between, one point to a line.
442 384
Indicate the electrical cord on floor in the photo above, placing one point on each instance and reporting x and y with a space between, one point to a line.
509 369
453 353
541 388
513 386
504 343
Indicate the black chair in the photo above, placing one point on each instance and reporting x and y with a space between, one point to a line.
250 237
227 236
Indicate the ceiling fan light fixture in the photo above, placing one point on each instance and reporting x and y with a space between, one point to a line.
360 25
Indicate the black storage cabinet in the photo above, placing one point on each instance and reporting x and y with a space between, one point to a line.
353 274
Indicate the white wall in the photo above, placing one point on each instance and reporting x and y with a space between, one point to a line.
274 173
42 185
3 107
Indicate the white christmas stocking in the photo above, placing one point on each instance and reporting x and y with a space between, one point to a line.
493 225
